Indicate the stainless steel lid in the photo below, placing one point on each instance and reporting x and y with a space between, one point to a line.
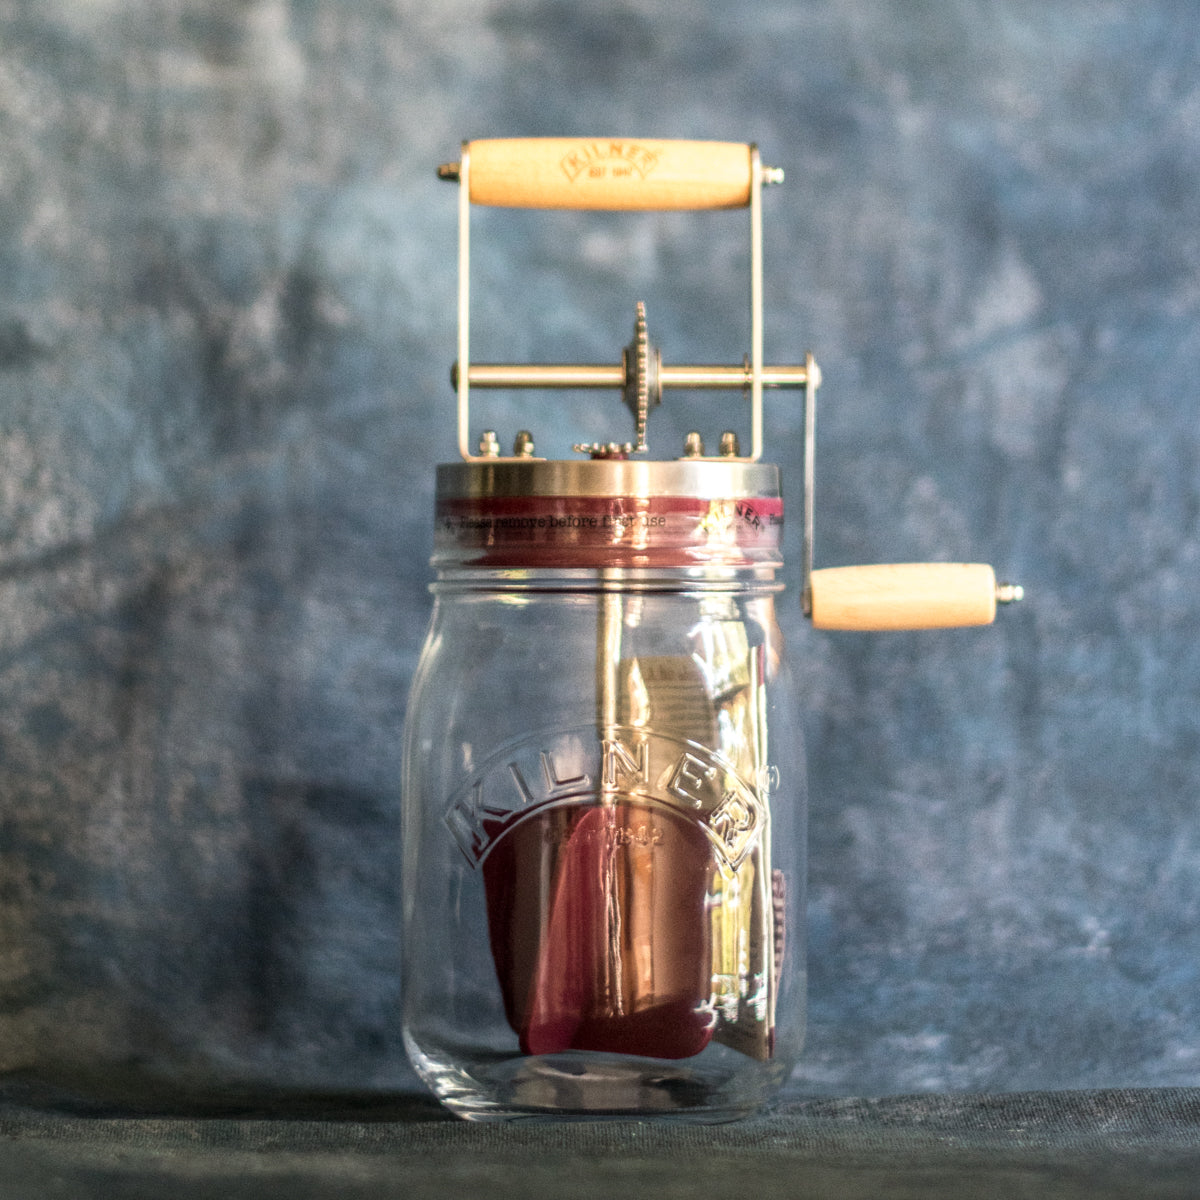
703 479
608 513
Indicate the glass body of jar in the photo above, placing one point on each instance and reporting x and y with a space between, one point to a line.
603 858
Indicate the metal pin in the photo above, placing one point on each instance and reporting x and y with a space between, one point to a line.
693 445
523 445
489 444
730 448
1009 593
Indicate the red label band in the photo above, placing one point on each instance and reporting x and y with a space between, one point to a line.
624 531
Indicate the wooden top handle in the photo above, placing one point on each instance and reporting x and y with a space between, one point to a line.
609 173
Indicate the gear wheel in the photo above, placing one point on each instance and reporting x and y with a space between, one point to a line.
642 387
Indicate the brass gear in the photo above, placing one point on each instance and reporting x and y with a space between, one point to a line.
642 387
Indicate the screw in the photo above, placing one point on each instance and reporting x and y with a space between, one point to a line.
729 445
693 445
523 445
489 446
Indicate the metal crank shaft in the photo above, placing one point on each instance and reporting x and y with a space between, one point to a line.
601 375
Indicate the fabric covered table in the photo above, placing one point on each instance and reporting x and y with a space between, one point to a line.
1086 1145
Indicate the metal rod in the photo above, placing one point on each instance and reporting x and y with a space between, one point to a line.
610 624
811 382
534 375
601 375
464 301
610 619
756 305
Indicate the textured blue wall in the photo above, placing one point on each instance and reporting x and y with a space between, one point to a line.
226 319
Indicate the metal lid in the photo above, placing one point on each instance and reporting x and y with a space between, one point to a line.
608 513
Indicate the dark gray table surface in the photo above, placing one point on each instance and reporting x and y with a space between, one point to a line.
1093 1145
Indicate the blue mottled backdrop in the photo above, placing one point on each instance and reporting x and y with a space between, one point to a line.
226 319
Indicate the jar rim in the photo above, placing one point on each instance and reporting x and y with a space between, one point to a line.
744 580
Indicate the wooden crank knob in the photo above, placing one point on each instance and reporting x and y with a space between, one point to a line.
907 596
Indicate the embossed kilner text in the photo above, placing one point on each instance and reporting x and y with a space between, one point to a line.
581 767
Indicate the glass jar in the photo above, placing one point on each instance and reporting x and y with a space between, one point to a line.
604 796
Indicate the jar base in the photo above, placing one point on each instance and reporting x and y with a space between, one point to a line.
580 1085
